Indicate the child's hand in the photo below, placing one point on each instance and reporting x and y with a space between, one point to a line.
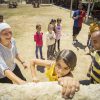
69 86
77 17
35 79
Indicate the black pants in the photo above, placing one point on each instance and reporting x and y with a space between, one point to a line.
57 42
17 72
76 30
50 51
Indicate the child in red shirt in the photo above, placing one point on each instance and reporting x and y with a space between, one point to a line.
38 38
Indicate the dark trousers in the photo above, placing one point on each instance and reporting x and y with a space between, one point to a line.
17 72
50 51
57 42
36 51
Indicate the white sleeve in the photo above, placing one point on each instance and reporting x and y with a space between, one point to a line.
3 66
14 43
54 36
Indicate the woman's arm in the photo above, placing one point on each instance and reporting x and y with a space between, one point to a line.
21 60
8 73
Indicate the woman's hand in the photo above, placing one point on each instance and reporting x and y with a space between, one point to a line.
69 86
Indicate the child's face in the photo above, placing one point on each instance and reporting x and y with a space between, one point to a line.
96 40
39 29
59 21
61 68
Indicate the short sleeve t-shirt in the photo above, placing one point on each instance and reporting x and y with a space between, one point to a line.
7 58
78 22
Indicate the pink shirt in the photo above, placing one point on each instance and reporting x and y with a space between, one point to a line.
38 38
58 32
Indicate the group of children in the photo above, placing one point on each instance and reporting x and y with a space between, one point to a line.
53 37
65 60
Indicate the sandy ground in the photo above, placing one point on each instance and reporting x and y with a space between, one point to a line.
23 25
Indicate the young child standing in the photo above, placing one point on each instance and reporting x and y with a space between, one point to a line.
50 41
58 33
38 38
64 64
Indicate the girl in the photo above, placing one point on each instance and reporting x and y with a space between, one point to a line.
58 33
50 41
65 63
52 27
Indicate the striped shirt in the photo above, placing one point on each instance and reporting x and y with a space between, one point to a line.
95 71
7 58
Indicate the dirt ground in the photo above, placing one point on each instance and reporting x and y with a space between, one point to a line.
23 21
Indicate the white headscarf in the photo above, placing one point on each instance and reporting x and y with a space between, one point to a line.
4 26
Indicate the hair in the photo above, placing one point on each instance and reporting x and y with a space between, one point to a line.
96 28
52 20
69 57
1 16
37 26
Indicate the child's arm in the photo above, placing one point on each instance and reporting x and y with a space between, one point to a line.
42 63
45 63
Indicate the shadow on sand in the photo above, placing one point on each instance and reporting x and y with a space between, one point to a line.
79 45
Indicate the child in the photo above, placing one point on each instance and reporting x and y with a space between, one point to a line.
93 27
50 40
58 33
38 38
52 25
65 63
1 18
95 67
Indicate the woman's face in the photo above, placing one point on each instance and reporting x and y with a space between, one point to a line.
6 35
61 68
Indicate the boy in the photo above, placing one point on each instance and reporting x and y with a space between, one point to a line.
38 38
78 17
95 68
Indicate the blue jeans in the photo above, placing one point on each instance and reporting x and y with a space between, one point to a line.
36 51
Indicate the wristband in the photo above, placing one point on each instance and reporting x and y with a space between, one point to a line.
23 62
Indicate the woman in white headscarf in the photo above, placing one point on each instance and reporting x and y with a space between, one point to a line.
9 71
